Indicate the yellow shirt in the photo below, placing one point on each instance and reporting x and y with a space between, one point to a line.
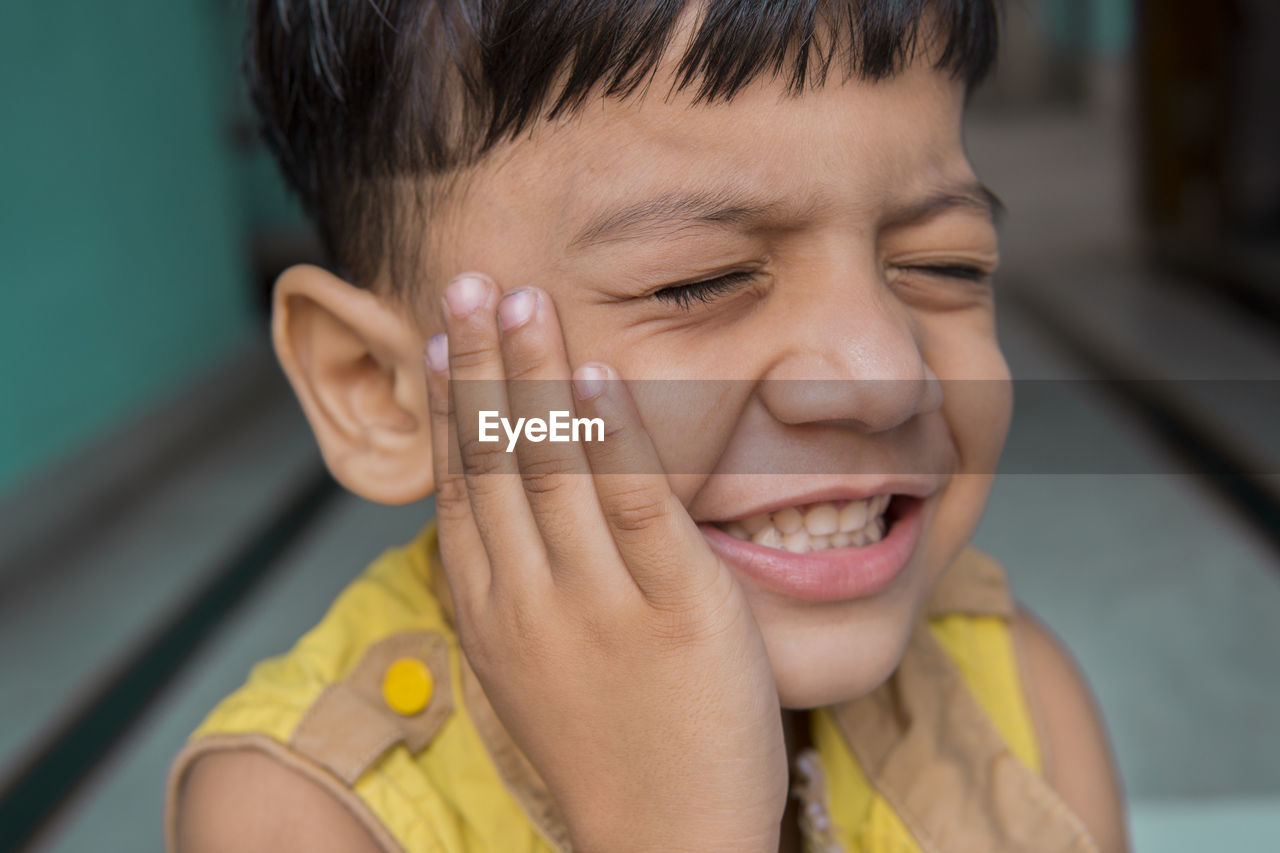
378 705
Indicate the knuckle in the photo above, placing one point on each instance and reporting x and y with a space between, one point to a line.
526 366
545 475
486 489
637 509
462 356
670 593
692 611
617 454
452 505
480 457
524 624
610 453
680 629
441 405
613 428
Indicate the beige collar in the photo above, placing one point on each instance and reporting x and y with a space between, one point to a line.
929 749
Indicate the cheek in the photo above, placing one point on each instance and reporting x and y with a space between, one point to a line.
977 390
690 422
585 337
689 418
977 408
978 413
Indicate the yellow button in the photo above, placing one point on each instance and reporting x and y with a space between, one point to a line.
407 686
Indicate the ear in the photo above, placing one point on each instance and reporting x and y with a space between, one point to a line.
355 362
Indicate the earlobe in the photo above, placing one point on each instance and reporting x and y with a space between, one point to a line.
354 360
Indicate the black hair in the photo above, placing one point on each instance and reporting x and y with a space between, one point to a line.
355 95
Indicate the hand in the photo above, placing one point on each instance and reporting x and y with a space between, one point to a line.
614 645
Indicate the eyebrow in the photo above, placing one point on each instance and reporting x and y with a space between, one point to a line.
970 195
676 211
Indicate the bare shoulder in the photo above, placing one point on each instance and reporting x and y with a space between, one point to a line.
1081 768
246 801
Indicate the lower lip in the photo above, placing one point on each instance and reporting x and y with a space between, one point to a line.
833 574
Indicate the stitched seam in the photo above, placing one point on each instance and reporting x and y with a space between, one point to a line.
1050 798
370 757
311 711
910 819
1034 709
343 767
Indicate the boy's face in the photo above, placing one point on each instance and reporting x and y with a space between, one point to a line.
829 204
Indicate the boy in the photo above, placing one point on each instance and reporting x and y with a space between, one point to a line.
642 642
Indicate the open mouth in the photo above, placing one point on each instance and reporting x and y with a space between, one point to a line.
819 526
827 550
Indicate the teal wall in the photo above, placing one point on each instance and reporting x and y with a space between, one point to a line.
123 264
1093 27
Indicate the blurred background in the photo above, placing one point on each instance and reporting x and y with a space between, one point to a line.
165 520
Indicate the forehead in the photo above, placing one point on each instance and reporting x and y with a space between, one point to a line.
846 149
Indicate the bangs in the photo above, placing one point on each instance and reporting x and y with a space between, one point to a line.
610 49
354 95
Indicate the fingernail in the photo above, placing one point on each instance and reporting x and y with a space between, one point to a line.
588 381
516 308
438 352
465 295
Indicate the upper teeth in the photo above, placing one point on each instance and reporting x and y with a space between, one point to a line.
827 524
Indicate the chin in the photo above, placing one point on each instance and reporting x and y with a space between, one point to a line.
819 664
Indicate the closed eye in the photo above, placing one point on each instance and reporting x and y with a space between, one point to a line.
684 295
964 272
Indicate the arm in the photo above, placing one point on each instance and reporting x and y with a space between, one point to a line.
1082 769
247 802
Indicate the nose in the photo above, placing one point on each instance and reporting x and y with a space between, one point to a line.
849 354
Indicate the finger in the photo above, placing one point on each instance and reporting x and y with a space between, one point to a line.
658 541
461 549
477 385
557 478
